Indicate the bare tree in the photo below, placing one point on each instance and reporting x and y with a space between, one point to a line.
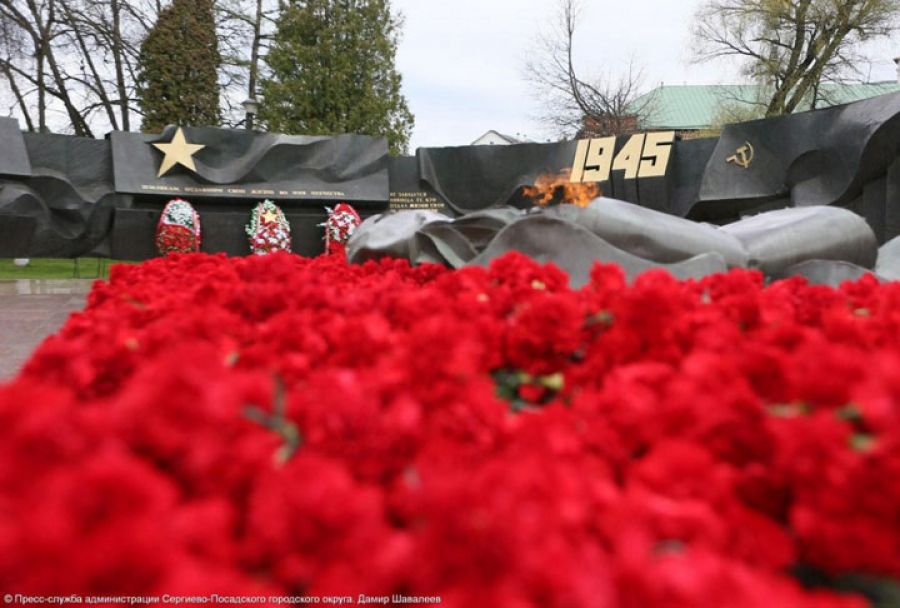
610 105
792 46
73 56
107 35
71 64
12 41
28 41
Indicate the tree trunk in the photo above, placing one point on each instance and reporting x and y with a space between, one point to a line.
100 90
41 88
20 99
254 50
117 53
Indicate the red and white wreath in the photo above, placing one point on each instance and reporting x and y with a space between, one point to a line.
178 229
268 229
342 222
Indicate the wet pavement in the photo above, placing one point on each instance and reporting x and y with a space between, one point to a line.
31 310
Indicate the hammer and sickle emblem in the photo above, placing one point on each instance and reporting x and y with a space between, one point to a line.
743 157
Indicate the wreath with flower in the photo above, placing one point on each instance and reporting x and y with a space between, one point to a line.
342 222
268 229
178 229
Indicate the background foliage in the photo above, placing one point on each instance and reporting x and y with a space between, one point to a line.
332 71
178 63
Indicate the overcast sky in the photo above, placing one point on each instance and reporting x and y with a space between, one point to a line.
462 60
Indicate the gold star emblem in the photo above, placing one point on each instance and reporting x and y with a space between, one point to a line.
177 152
270 217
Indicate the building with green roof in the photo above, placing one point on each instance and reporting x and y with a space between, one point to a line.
697 108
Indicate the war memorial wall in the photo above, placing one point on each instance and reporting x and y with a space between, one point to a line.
64 196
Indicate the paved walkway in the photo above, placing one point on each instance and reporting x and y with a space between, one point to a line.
29 312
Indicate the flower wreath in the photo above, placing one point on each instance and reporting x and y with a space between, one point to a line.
342 222
268 229
178 229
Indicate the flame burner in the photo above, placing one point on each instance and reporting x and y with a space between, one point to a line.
552 189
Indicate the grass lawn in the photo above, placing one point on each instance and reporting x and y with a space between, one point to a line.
81 268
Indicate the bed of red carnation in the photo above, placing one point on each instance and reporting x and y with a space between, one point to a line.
286 426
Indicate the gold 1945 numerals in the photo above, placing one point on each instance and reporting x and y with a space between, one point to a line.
644 155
